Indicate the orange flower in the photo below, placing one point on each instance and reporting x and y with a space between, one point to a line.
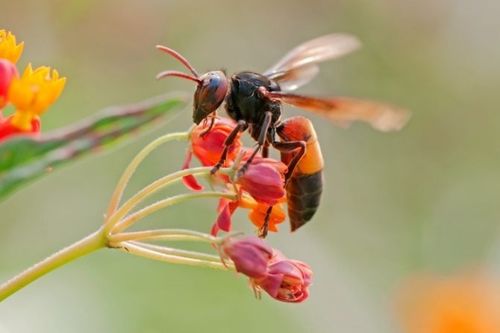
464 304
258 214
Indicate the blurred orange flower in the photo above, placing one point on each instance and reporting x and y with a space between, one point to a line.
464 304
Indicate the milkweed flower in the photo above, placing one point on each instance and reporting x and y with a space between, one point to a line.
33 93
286 280
261 186
10 51
450 305
251 256
269 270
207 147
257 213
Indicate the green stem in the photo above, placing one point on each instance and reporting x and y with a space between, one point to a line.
85 246
155 187
177 252
173 259
162 234
129 171
130 220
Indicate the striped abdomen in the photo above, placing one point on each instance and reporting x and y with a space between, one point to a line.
306 183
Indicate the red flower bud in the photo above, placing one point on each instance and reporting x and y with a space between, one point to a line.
7 72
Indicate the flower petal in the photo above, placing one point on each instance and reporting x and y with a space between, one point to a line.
249 254
190 181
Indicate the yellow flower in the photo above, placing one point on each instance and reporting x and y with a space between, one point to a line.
33 93
8 48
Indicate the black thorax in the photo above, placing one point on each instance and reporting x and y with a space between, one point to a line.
245 103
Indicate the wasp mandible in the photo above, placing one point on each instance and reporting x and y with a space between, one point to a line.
254 101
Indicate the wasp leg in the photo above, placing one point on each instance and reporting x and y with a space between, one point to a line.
265 150
265 227
260 142
240 127
212 122
289 147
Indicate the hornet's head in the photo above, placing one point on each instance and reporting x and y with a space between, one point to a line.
212 87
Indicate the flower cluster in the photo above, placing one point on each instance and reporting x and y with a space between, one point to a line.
30 93
268 269
259 188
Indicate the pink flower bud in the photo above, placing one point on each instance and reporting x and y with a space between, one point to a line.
283 279
287 280
250 255
264 180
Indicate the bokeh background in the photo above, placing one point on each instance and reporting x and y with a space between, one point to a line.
422 200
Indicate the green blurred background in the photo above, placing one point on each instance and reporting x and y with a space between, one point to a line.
424 199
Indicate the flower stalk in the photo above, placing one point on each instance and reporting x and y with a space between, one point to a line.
134 164
149 253
112 235
83 247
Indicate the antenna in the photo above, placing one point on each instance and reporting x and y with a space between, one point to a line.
178 74
179 57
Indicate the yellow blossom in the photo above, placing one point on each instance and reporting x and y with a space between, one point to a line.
33 92
8 48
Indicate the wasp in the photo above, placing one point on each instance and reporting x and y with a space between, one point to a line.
254 101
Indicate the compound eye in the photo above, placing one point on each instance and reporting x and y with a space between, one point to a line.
209 95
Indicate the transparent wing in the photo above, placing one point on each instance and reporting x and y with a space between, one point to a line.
295 78
299 65
342 110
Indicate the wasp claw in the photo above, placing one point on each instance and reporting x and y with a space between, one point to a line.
242 171
215 169
262 232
